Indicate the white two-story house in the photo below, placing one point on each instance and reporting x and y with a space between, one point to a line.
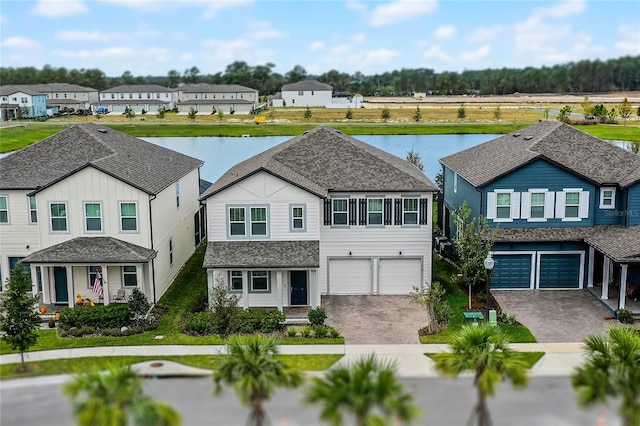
320 214
306 93
90 199
213 98
139 97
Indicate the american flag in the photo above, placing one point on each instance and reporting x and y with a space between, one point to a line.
97 284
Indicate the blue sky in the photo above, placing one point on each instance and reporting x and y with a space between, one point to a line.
150 37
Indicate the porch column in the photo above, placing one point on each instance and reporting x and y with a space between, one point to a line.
106 296
71 296
46 285
623 285
279 290
210 285
245 289
34 280
592 253
314 297
605 278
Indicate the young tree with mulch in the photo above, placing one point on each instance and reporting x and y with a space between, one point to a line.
19 320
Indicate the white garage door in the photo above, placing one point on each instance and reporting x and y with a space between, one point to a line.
350 276
399 276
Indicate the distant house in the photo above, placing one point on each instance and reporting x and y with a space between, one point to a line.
92 200
566 206
211 98
17 101
306 93
64 96
139 97
320 214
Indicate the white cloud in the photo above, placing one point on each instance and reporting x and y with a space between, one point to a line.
379 56
2 19
340 49
268 34
359 38
228 50
59 8
109 53
316 45
20 43
436 51
356 6
399 11
475 55
484 34
563 9
215 7
84 36
445 32
629 41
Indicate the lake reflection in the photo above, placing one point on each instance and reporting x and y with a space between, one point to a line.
221 153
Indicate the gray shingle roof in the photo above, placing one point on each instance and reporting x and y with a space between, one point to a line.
10 89
560 143
307 85
262 254
324 160
214 88
622 244
144 165
93 251
138 88
62 87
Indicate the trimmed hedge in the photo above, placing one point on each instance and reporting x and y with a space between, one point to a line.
258 320
110 316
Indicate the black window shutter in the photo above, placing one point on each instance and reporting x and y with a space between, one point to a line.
424 211
398 212
353 211
387 211
327 212
196 227
363 211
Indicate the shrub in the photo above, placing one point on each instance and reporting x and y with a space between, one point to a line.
292 332
334 332
138 304
625 316
320 331
305 331
224 305
199 324
272 321
116 315
317 316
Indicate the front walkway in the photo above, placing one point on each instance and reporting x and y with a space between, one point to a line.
556 315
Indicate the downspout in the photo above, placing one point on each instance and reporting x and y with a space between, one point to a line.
153 261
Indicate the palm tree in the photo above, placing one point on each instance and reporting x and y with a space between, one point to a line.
253 370
485 351
368 390
612 369
115 397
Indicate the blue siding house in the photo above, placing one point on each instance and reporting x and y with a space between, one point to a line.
565 206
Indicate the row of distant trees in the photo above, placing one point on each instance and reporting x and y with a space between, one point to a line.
614 75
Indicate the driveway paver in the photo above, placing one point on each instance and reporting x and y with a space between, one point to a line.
556 315
375 319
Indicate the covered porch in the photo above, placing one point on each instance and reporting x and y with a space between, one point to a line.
265 274
102 269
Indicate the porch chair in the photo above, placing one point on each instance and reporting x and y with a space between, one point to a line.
120 297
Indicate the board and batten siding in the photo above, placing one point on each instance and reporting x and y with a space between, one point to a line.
92 185
376 242
175 223
19 237
633 211
263 189
541 175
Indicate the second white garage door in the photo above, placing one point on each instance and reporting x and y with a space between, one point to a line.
350 276
399 276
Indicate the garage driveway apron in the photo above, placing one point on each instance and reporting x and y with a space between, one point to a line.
375 319
555 316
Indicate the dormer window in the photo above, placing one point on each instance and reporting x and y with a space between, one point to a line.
607 198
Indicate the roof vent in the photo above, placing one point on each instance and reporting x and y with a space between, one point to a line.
528 138
515 135
102 130
305 132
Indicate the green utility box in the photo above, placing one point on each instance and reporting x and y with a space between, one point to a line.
473 317
493 318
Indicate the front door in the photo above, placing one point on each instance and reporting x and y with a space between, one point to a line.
298 287
60 276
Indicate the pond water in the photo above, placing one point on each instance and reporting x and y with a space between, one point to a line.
221 153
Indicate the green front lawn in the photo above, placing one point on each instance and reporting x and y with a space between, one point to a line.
458 300
80 365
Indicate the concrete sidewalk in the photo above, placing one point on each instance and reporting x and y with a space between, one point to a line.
560 359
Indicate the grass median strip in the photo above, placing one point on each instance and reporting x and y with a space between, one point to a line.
84 364
529 358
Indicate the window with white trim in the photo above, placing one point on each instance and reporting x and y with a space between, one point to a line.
4 209
409 211
93 273
339 211
374 211
298 220
128 217
58 213
92 217
258 221
129 276
608 198
235 281
571 205
260 281
237 221
503 205
537 205
33 211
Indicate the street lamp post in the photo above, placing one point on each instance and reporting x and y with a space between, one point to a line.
488 265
